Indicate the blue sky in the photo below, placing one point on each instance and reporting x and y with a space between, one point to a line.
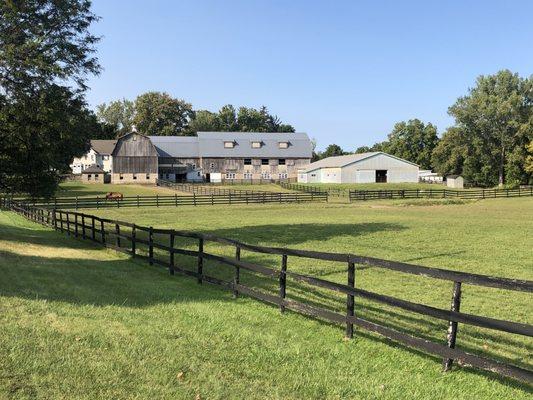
344 72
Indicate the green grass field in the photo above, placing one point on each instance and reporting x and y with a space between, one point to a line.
85 322
73 188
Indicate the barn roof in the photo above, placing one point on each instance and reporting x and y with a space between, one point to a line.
103 146
211 144
93 169
176 146
342 161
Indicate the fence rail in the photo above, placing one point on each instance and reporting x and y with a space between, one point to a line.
207 189
124 237
311 189
174 200
438 194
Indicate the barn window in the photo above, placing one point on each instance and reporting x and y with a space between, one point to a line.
148 176
283 145
281 161
134 176
256 145
230 175
283 176
266 175
88 177
121 176
247 175
264 161
229 145
247 161
95 176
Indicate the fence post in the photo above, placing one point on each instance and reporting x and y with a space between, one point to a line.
68 224
61 221
138 204
237 276
452 325
151 245
76 225
97 202
283 281
200 259
133 237
54 218
157 200
350 300
212 199
194 198
93 230
76 202
171 245
117 232
176 199
102 231
83 226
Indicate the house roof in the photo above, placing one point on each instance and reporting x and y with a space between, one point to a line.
93 169
342 161
103 146
176 146
453 176
211 144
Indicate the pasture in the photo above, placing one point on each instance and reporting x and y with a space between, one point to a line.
101 317
80 189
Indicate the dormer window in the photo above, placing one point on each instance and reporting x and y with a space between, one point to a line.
256 145
229 145
283 145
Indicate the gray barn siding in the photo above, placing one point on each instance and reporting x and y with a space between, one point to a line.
135 156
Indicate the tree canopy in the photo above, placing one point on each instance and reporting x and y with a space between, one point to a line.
117 116
46 54
495 122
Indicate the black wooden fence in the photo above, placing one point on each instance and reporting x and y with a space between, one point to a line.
206 189
311 189
174 200
125 237
438 194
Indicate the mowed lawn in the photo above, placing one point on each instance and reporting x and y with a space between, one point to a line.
80 321
74 188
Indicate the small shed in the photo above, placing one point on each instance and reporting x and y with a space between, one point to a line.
455 181
93 174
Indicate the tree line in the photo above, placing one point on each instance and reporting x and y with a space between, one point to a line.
491 142
163 115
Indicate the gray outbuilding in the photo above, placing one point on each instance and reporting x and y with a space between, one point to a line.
360 168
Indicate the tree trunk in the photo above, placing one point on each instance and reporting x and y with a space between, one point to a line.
501 171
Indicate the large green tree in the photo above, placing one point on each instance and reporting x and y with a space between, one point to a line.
117 114
332 150
496 121
413 141
159 114
46 55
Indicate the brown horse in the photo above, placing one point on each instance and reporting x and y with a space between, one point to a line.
114 196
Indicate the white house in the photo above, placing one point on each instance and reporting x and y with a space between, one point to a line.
99 154
360 168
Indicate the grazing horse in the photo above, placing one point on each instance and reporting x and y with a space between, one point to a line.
114 196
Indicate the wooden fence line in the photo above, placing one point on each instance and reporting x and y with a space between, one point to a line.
174 200
110 234
207 189
355 195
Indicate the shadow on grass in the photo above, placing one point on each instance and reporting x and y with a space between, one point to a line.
128 283
290 234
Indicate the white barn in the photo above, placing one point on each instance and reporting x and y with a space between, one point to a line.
360 168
